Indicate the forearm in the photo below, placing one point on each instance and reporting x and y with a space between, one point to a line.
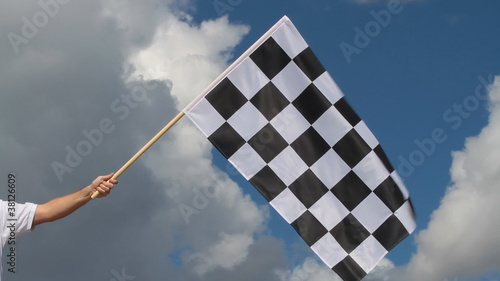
61 207
65 205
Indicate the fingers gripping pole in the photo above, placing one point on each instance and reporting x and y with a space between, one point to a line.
143 149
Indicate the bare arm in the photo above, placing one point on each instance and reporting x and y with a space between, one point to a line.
61 207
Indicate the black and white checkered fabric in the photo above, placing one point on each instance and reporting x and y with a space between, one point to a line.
282 121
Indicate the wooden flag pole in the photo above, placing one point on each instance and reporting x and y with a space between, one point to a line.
193 102
143 149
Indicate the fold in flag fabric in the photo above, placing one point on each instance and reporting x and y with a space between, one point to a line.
281 120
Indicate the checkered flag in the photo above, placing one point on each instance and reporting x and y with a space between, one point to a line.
281 120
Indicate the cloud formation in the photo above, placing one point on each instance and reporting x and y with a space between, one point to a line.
463 236
87 90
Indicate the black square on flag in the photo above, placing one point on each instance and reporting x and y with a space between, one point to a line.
309 64
346 110
227 140
226 98
352 148
351 190
389 192
383 157
268 143
349 270
310 146
268 183
269 101
312 103
390 233
308 188
270 58
309 228
350 233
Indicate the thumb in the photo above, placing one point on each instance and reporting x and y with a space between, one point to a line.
100 179
108 176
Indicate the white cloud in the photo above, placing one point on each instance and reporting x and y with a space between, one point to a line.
230 251
314 270
188 54
191 56
463 236
310 270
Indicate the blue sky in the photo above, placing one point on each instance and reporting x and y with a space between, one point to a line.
423 80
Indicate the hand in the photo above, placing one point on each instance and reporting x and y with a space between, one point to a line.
103 184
